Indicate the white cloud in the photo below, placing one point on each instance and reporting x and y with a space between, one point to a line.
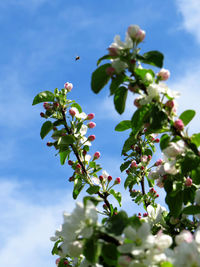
26 225
190 11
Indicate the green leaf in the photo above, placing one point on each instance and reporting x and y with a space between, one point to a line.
116 82
158 119
120 99
66 140
191 210
164 141
45 96
139 118
189 162
123 125
100 78
75 105
187 116
63 156
117 223
154 58
128 143
110 254
125 165
92 249
55 249
141 73
103 58
116 195
94 200
175 203
78 186
93 189
195 138
166 264
46 128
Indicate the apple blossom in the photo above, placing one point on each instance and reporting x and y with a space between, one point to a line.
118 180
178 124
68 86
91 137
97 155
90 116
91 124
188 182
164 74
73 111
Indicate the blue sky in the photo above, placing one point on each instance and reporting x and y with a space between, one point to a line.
39 42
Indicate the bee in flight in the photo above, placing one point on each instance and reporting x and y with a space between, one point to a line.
77 58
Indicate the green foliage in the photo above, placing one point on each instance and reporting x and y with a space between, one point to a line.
195 138
154 58
75 105
117 223
164 141
45 96
125 165
116 195
93 189
92 249
110 254
123 125
120 99
55 250
64 155
46 128
191 210
78 186
103 58
66 140
116 82
175 203
100 78
139 118
187 116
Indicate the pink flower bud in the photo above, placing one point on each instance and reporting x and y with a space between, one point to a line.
142 168
70 162
163 74
72 112
170 104
71 179
42 114
145 214
127 171
57 261
97 155
140 35
157 195
118 180
84 152
56 104
133 30
110 71
149 157
157 140
188 182
113 51
68 86
49 144
78 166
91 124
133 164
144 158
137 103
178 124
47 106
91 137
101 178
90 116
109 178
159 162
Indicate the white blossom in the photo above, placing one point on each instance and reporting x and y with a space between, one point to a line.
128 44
174 149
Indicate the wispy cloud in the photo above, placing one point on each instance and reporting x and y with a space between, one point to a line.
27 225
190 11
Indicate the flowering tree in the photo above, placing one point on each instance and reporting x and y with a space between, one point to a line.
160 237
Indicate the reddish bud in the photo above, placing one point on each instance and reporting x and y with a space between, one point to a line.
55 128
49 144
178 124
157 195
72 112
68 86
149 157
159 162
91 124
188 182
145 214
56 104
127 171
170 104
109 178
91 137
157 140
71 179
164 74
42 114
118 180
137 103
70 162
101 178
133 164
105 206
90 116
78 166
113 51
139 214
97 155
110 71
142 168
84 152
